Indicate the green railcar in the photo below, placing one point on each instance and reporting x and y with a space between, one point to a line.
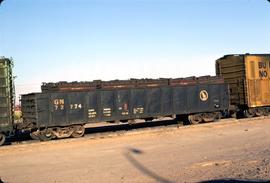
6 99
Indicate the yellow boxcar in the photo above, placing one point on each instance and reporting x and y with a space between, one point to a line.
248 76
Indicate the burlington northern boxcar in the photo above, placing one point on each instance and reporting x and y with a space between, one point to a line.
248 76
61 109
6 99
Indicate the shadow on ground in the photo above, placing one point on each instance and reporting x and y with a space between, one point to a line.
143 168
233 181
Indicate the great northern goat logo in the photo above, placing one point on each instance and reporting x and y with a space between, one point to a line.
203 95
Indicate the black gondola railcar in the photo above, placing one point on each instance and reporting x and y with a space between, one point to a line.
62 109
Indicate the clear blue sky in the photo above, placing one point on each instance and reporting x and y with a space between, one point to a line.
71 40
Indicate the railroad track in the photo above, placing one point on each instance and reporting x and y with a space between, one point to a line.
114 130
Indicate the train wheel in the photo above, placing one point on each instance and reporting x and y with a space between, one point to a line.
46 135
34 135
2 139
266 111
234 114
259 112
210 117
217 116
249 113
78 132
207 117
195 119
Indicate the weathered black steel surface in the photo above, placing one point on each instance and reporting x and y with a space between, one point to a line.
6 96
132 83
50 109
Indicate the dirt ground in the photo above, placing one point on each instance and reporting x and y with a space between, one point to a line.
216 152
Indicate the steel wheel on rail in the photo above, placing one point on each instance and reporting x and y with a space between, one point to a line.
249 113
266 111
195 119
234 114
34 135
217 116
46 135
259 111
2 139
78 132
208 117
